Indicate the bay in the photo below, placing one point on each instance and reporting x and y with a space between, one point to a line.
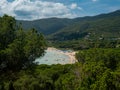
56 56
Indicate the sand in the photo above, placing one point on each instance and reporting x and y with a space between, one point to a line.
70 54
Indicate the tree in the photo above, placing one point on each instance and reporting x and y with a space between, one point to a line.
11 87
19 48
34 45
7 31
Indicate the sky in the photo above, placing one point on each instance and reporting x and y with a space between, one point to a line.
38 9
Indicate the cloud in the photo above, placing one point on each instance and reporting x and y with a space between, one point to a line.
94 0
36 9
75 6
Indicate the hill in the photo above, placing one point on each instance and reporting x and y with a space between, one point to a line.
52 25
46 26
81 32
96 27
102 31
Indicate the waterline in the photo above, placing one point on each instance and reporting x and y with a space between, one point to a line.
56 56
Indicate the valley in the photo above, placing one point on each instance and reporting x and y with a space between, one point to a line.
81 32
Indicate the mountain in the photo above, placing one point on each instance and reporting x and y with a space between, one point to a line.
47 26
105 26
53 25
89 27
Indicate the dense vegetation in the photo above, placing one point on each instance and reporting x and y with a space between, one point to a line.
97 69
101 29
81 32
46 26
98 66
54 25
18 48
86 44
105 28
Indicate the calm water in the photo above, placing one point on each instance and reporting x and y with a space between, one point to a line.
53 57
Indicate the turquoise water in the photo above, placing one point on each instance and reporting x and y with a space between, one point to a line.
53 57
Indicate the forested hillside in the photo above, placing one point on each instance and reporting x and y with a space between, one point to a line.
104 28
80 33
98 31
101 26
46 26
57 25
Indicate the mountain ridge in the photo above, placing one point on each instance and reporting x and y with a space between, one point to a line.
101 26
52 25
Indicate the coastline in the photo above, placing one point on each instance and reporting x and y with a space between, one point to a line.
70 54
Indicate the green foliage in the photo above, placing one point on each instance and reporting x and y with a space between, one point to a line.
97 68
7 28
47 26
80 33
54 25
18 48
43 78
97 31
100 68
110 57
103 28
92 74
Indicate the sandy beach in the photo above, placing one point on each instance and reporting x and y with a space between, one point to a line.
70 54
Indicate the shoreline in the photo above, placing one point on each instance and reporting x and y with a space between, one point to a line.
71 54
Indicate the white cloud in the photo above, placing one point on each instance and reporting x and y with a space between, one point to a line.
94 0
36 9
75 6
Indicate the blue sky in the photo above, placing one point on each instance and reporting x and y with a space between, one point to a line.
37 9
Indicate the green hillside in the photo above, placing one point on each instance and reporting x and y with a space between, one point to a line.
81 32
102 26
46 26
53 25
103 29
